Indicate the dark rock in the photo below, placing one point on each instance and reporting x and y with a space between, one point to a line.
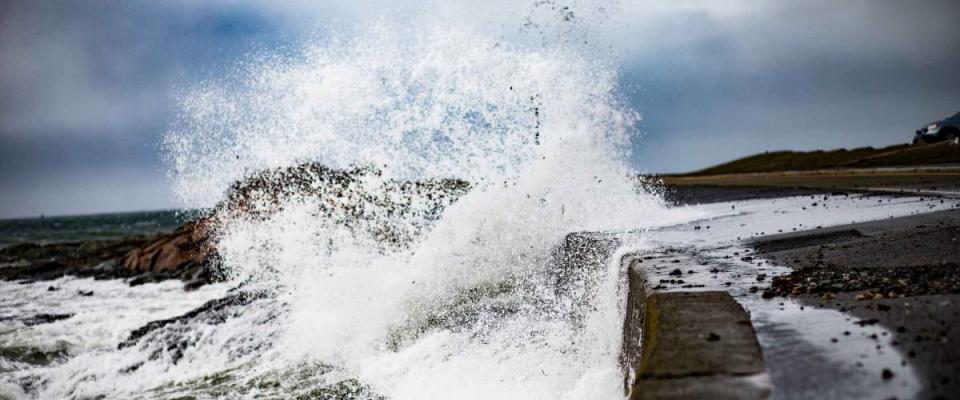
211 311
898 281
40 319
347 389
35 272
68 252
53 261
188 254
887 374
34 356
184 248
175 336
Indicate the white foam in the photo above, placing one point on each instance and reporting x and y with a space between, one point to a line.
471 307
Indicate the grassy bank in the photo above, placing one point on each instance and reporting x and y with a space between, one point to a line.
866 157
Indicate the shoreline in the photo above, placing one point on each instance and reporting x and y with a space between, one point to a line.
921 237
943 181
901 274
896 279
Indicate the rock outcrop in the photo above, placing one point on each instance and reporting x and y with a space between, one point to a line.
29 262
390 211
354 197
185 254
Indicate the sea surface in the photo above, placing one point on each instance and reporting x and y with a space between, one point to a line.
473 303
342 333
90 227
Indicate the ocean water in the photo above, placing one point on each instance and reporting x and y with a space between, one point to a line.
469 308
473 306
385 326
89 227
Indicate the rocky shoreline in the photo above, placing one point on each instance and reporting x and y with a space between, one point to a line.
902 274
138 259
188 253
357 198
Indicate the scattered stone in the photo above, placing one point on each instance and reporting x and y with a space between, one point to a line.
877 282
887 374
865 296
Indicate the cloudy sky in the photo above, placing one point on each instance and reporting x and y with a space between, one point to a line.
88 88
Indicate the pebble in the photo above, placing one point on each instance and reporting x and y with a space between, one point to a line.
887 374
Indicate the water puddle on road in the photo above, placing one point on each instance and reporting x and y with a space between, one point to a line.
811 352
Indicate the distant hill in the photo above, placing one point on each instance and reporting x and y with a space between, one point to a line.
865 157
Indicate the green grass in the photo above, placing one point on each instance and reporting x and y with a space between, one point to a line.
892 156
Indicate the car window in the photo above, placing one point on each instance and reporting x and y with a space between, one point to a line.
957 116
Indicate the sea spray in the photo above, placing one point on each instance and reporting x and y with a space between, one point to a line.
469 305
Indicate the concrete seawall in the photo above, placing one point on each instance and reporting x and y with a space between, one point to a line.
687 344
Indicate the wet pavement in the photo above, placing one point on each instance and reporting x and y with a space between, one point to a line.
900 274
830 344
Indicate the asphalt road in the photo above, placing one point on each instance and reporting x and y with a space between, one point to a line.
900 273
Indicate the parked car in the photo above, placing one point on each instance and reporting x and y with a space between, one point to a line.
945 129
